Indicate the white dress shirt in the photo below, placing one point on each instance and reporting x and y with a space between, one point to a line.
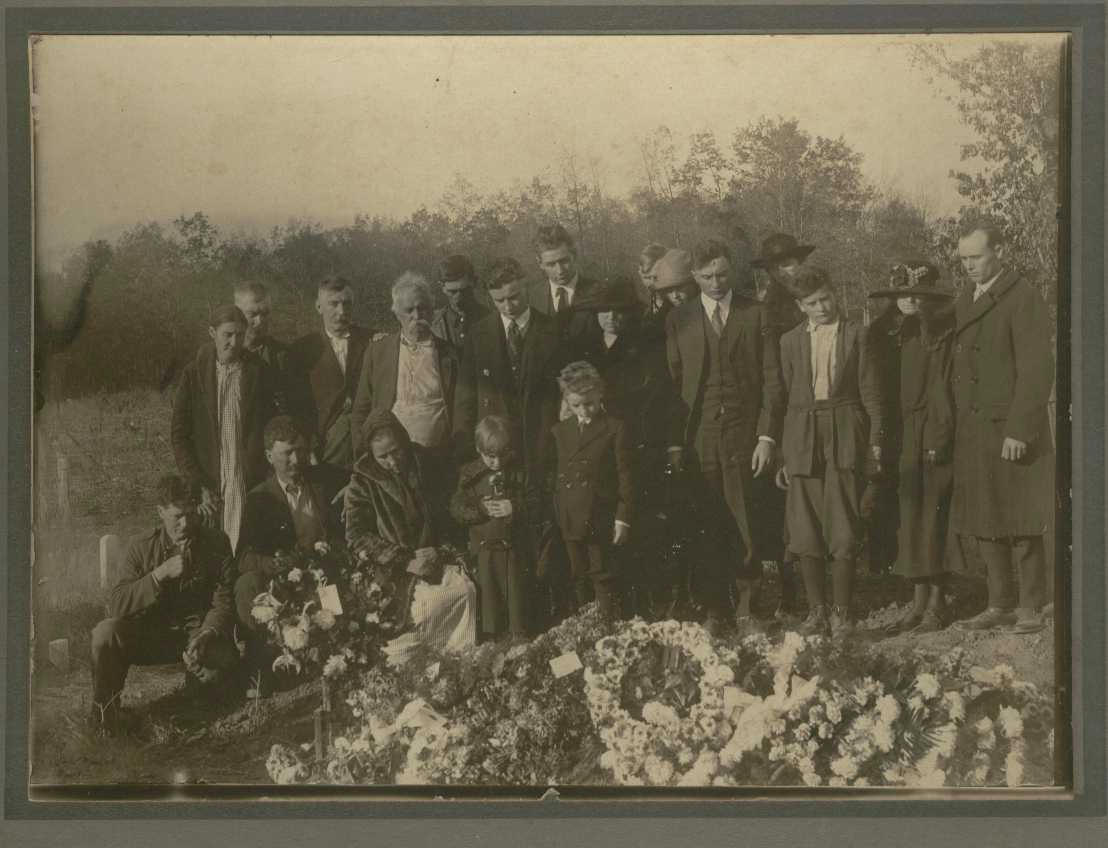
522 321
710 306
569 288
339 344
309 529
823 338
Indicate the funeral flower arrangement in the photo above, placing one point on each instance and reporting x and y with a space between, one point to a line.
666 704
322 612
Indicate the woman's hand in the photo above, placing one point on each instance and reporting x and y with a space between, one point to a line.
782 479
498 508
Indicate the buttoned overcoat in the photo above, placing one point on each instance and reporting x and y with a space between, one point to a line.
1002 374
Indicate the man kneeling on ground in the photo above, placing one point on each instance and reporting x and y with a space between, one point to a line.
173 602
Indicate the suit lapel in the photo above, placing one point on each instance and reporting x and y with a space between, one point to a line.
209 386
806 362
968 311
844 345
592 432
355 351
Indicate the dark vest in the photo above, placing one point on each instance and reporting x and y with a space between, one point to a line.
722 398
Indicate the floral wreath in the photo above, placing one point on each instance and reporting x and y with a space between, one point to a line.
633 744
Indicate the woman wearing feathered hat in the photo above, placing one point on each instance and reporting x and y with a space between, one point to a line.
911 342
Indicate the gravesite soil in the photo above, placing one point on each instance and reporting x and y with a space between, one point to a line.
113 445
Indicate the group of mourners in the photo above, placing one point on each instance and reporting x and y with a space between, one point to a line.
646 443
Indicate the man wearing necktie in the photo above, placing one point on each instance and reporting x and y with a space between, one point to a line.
1003 370
411 373
724 361
327 365
563 283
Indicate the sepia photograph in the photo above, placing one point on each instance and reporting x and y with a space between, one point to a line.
495 413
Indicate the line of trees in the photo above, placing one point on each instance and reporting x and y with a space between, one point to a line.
151 290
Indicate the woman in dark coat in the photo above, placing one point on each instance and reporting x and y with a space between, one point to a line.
631 360
395 523
912 342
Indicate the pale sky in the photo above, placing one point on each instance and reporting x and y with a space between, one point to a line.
255 130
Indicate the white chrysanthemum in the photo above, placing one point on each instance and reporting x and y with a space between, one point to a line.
263 614
294 575
883 737
888 708
324 619
845 767
659 714
322 548
335 665
915 703
955 705
1010 721
295 638
927 685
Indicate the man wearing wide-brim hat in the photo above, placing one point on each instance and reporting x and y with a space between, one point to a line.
911 343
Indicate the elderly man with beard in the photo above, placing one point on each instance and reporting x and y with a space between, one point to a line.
412 374
172 602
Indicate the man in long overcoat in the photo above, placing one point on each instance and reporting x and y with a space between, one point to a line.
1002 373
725 363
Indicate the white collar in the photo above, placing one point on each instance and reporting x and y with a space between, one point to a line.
522 321
571 286
724 302
285 486
827 328
981 287
336 338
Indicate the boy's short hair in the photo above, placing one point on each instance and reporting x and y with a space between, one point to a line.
503 271
175 490
251 288
807 280
457 266
281 428
994 235
228 313
708 251
580 377
551 237
494 435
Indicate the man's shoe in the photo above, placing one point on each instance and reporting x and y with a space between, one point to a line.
816 622
991 618
1027 621
841 625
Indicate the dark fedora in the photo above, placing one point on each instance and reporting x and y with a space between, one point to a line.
913 276
779 247
616 294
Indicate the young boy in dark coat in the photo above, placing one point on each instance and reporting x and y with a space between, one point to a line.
594 488
832 424
490 500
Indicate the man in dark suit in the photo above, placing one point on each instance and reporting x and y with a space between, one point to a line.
559 289
411 372
293 508
1002 373
252 299
509 367
328 364
173 601
223 400
725 363
462 311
